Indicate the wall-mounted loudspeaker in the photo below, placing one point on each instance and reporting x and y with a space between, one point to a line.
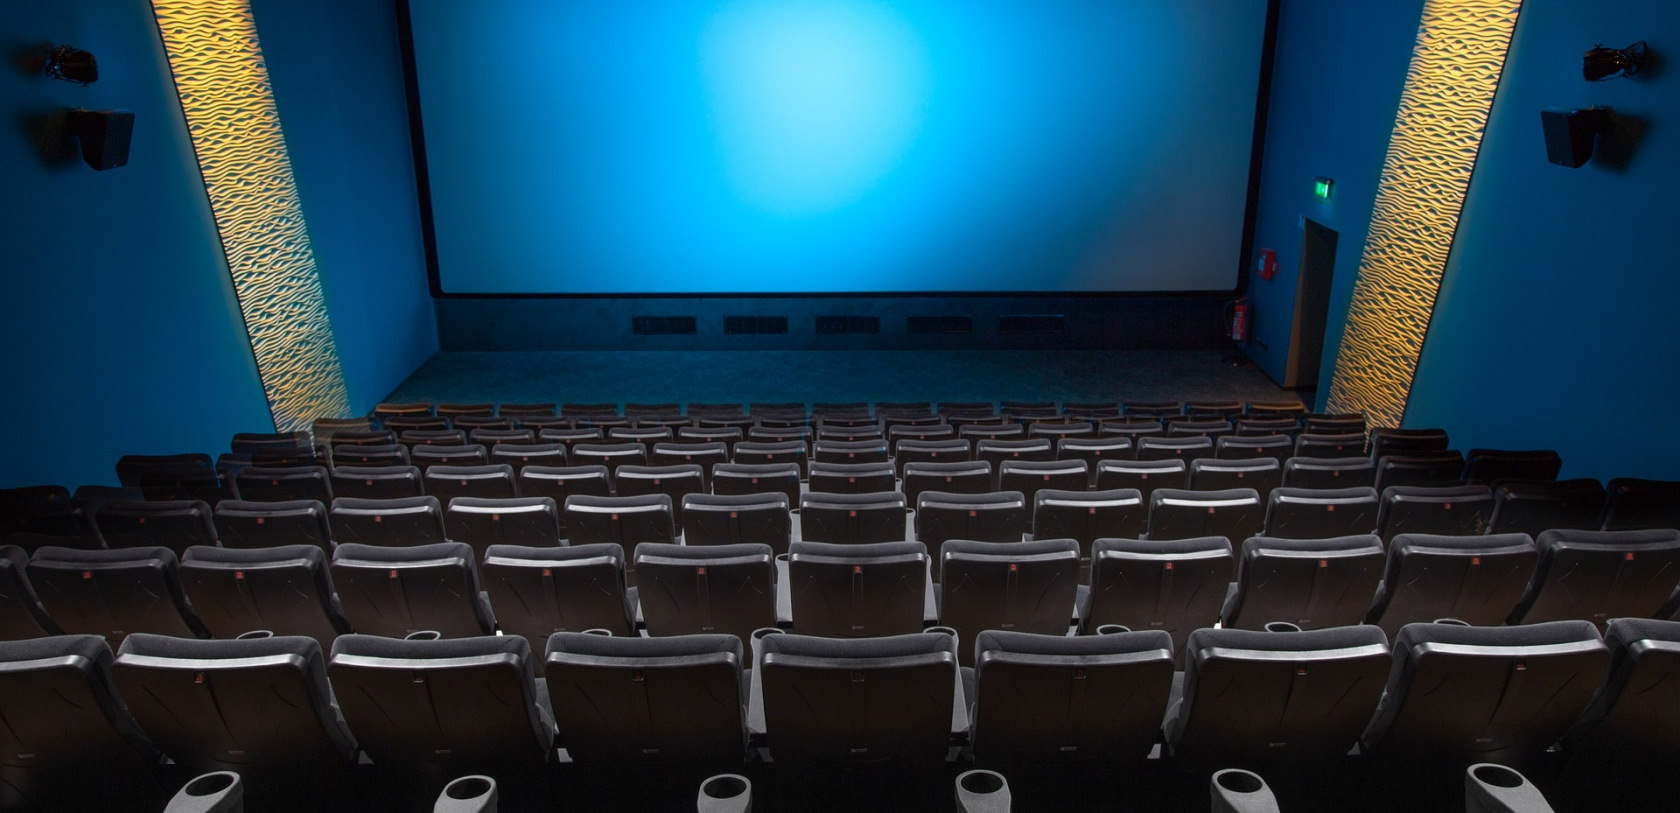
104 135
1570 133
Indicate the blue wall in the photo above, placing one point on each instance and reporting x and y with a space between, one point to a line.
338 80
1336 80
116 309
1555 323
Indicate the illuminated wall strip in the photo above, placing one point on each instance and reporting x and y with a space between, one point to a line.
1449 90
235 127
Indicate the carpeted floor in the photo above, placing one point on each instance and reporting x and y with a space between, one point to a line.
835 376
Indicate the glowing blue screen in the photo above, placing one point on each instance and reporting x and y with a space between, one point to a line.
837 146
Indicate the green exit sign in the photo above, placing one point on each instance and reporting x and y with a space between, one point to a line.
1321 187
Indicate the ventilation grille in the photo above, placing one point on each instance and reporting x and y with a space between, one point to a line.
854 325
1032 323
755 324
663 325
953 325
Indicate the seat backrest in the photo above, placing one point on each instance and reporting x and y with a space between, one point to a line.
368 454
1321 513
1143 475
284 590
675 481
853 518
1055 699
1599 575
1438 468
172 477
1329 472
752 452
1515 690
1630 722
1385 441
1494 465
610 454
757 478
1086 516
1279 447
852 478
113 592
433 437
1450 510
1330 423
538 591
490 480
1234 513
1338 445
1173 585
173 524
1277 698
664 701
857 590
1029 476
704 454
1311 583
1535 506
467 704
399 591
949 450
995 451
1175 447
377 482
46 510
625 521
1214 474
80 749
559 482
831 701
520 455
1018 586
724 519
399 522
1474 579
260 706
481 522
728 589
241 524
1633 504
996 516
21 613
961 476
854 451
924 434
283 483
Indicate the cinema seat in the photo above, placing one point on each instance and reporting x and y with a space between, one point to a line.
490 438
21 613
113 592
1515 691
1133 429
431 437
1474 579
1310 583
1174 586
1321 513
1267 699
647 435
368 454
1492 466
172 476
728 589
259 707
324 429
1245 447
427 455
1153 409
482 522
1235 513
559 482
377 482
828 701
520 455
1183 447
1600 575
1633 504
857 590
1450 510
1093 450
852 478
623 521
996 516
1050 699
1018 586
1086 516
852 518
283 590
454 706
1329 472
1334 423
394 409
1143 475
1624 751
726 435
173 524
952 450
996 451
486 481
857 451
961 477
1258 425
69 739
1212 428
1338 445
976 429
724 519
283 484
47 510
539 591
1057 430
1212 474
399 591
1430 469
749 452
704 454
622 703
402 522
675 482
1029 476
1383 442
1533 506
924 434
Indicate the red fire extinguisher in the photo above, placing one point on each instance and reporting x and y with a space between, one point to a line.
1239 320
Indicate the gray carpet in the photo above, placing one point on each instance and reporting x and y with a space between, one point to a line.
835 376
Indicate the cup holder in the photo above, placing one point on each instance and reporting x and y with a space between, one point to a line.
1113 629
598 631
942 631
470 787
217 792
1282 626
468 794
254 635
1498 776
1237 781
1455 622
423 635
211 784
725 793
982 791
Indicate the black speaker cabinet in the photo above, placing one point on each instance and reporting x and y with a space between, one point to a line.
1570 133
104 135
